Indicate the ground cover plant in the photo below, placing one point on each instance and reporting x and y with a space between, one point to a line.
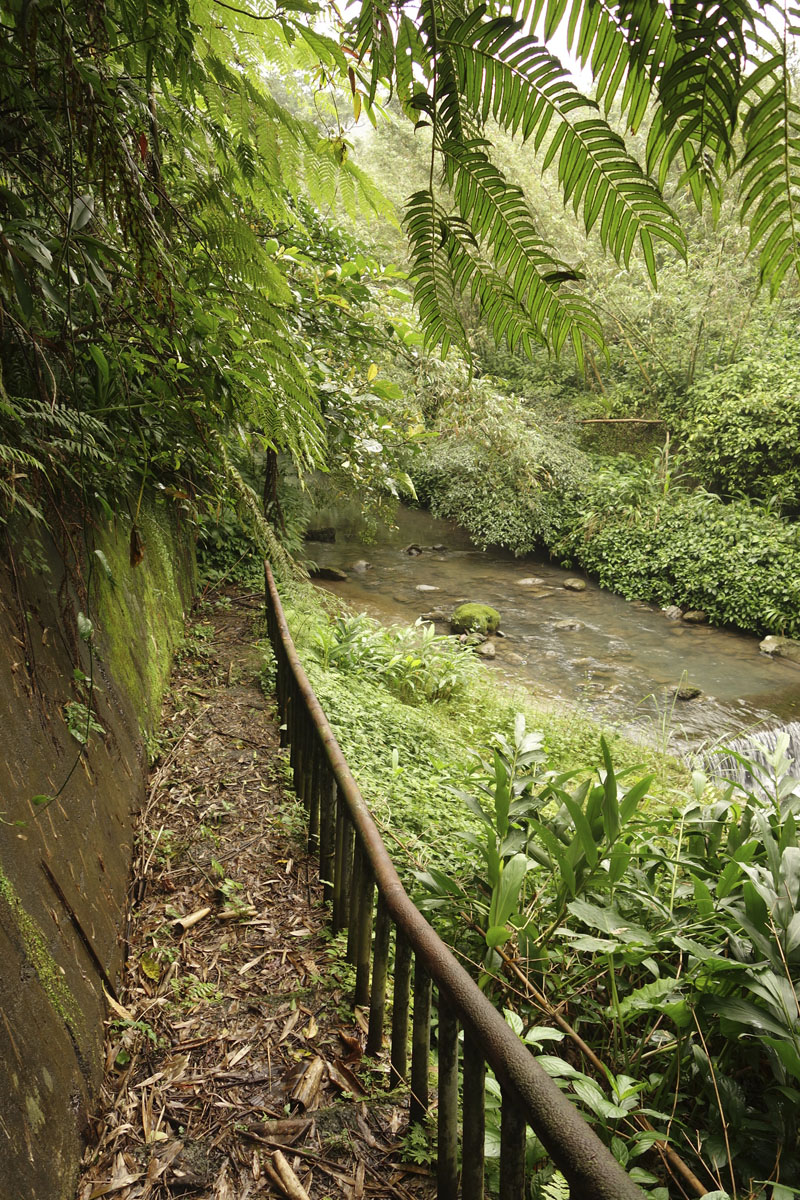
649 926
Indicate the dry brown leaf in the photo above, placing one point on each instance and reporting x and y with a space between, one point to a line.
341 1075
306 1091
120 1010
289 1025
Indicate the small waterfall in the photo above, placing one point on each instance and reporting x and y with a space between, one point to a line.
723 764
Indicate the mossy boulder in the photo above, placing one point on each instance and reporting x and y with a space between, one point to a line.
475 618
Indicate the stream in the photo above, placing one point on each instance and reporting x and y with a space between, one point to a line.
620 660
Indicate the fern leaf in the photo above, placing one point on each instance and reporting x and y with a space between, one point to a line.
513 78
434 293
770 166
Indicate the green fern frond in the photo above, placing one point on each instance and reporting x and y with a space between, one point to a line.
428 234
770 166
496 213
517 81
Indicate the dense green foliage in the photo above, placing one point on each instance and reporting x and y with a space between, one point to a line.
164 278
738 562
740 430
640 524
657 916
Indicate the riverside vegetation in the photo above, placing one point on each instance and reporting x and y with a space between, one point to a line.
640 928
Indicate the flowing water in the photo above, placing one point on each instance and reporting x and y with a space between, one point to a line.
620 660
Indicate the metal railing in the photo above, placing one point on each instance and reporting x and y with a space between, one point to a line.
354 866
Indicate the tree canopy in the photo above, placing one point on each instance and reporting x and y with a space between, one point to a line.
161 270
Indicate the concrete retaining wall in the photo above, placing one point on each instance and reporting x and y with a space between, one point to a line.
64 865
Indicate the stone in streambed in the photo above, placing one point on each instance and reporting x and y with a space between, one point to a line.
672 612
687 691
436 614
568 626
530 581
486 649
474 618
331 573
361 566
426 587
695 616
575 585
781 647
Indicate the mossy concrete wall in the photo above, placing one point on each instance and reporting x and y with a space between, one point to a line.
65 865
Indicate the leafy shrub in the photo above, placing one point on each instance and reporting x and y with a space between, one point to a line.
741 435
738 562
413 662
678 932
497 474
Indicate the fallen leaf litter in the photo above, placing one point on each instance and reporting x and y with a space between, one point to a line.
233 1062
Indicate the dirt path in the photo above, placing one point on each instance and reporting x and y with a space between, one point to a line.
233 1062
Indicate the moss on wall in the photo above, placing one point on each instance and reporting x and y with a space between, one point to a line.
139 609
49 974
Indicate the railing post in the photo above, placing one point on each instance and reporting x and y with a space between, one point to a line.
364 934
473 1133
447 1157
513 1129
348 866
420 1044
337 916
380 961
327 828
401 991
314 772
354 901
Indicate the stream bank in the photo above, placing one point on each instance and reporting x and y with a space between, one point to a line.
620 661
232 1055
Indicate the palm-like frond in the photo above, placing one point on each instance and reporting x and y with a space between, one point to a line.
496 214
770 166
511 77
434 287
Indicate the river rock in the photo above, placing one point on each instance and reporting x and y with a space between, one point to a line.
581 662
695 616
327 534
361 566
413 550
332 573
436 614
672 612
781 647
439 548
486 649
513 659
687 691
426 587
471 618
575 585
530 581
568 626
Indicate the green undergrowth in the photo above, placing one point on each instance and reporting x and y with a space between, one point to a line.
408 757
657 914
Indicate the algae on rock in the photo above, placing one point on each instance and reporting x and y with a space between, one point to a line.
475 618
